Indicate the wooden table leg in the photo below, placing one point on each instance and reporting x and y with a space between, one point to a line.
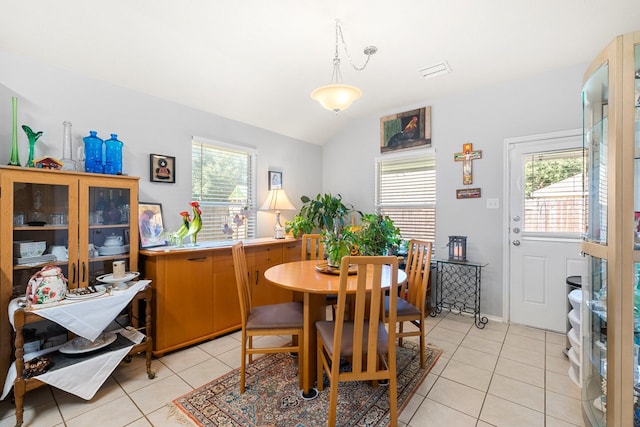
314 310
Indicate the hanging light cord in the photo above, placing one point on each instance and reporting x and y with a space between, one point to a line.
369 50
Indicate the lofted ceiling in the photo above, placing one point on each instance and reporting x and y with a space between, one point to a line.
256 61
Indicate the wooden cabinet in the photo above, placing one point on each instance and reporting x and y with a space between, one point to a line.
195 288
610 322
259 259
226 315
188 292
68 210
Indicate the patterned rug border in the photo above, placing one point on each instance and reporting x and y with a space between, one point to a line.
219 403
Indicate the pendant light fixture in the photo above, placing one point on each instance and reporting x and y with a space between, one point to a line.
338 96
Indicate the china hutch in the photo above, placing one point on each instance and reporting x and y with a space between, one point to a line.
61 218
611 292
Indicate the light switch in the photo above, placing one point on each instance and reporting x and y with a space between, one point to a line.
493 203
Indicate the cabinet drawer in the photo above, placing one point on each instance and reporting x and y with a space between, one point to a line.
291 251
264 255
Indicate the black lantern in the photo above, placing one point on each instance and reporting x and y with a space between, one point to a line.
458 248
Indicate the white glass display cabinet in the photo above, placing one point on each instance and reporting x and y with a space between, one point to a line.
611 309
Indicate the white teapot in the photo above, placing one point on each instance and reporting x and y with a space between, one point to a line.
113 240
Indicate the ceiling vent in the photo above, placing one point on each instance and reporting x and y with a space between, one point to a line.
435 70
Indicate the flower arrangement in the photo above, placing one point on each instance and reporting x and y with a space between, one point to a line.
189 227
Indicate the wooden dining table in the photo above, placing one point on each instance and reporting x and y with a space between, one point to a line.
310 284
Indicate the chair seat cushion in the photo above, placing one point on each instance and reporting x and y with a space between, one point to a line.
404 308
285 315
326 330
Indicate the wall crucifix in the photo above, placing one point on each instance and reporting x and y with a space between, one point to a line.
467 156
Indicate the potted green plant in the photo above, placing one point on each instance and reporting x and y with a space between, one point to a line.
298 226
337 243
377 235
326 211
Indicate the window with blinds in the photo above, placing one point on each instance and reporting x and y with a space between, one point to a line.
554 194
406 192
223 181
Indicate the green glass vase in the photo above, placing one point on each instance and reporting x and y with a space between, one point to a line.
15 159
33 138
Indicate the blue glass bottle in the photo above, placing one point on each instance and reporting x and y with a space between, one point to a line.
113 155
93 153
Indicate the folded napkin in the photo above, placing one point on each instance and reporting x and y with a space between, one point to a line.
86 318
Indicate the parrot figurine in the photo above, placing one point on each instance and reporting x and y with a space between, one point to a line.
184 228
196 224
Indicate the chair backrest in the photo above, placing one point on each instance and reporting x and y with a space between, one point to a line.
312 247
418 269
242 280
368 307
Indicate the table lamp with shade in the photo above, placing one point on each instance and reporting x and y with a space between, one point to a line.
277 200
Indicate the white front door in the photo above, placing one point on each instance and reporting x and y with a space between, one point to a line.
544 230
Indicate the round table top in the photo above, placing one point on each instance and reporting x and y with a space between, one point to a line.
302 276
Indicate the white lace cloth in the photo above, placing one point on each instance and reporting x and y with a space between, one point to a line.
82 379
87 318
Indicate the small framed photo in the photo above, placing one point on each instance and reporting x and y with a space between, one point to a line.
151 225
162 168
275 180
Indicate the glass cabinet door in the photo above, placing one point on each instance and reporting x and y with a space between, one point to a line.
636 283
595 109
44 225
595 99
108 237
594 364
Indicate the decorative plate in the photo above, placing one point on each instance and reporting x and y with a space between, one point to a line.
108 278
82 345
113 250
328 269
86 293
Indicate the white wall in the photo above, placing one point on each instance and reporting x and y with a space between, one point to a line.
545 103
540 104
48 96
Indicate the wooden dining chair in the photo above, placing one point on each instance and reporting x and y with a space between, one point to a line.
363 339
313 249
412 297
275 319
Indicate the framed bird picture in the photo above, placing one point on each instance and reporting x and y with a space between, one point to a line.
401 131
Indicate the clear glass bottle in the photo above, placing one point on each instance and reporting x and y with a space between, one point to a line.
67 154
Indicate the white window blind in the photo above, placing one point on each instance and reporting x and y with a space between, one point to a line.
554 194
223 181
406 192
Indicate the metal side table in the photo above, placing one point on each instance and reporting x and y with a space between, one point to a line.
458 288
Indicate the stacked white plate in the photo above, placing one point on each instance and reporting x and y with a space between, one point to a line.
574 336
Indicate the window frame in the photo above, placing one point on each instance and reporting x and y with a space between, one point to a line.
383 208
250 212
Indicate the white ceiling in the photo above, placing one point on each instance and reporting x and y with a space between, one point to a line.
256 61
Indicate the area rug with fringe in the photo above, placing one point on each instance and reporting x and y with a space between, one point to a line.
272 396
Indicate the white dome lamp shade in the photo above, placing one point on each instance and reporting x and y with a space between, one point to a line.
336 97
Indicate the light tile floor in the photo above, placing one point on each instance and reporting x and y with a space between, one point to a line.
502 375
